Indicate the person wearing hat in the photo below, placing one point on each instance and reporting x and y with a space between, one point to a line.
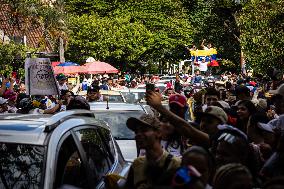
211 118
178 105
183 127
157 167
62 82
94 95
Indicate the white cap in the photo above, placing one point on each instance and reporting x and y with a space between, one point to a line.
277 123
265 126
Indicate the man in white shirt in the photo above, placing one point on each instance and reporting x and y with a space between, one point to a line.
203 65
62 82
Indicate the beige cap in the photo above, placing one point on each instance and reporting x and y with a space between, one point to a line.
216 112
146 120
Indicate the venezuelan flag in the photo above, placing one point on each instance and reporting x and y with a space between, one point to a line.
210 56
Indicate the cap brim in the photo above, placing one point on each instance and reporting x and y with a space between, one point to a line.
265 127
133 123
174 102
204 114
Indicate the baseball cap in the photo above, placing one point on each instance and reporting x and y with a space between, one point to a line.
3 100
216 112
178 99
265 126
145 120
61 77
279 90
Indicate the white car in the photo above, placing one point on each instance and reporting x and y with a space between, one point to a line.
116 115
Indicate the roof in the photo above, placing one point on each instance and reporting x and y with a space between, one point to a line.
19 27
102 106
25 129
33 128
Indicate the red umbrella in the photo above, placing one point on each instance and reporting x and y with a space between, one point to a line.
67 69
98 67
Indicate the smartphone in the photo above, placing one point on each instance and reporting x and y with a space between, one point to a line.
150 87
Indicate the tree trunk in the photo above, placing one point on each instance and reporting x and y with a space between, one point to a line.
61 50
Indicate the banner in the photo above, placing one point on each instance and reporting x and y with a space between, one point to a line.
39 77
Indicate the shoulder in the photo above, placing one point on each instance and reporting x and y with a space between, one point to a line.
175 162
138 161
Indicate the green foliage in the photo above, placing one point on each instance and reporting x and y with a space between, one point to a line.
79 7
262 32
116 40
132 32
11 57
215 22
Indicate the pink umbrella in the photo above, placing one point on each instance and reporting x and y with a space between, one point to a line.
54 64
98 67
67 69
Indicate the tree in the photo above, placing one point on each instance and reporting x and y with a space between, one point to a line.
262 32
132 32
11 57
215 21
48 15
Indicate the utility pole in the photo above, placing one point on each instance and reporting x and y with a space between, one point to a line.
61 50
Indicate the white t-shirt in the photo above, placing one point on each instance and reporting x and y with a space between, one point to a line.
63 87
203 66
173 148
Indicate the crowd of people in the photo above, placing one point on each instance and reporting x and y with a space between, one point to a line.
234 138
217 132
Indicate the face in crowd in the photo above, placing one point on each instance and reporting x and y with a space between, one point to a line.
209 124
245 109
146 137
209 99
93 93
66 97
62 81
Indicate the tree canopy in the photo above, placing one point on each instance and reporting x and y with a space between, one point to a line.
131 33
138 34
262 31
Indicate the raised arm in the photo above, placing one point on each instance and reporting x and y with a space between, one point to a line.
182 126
